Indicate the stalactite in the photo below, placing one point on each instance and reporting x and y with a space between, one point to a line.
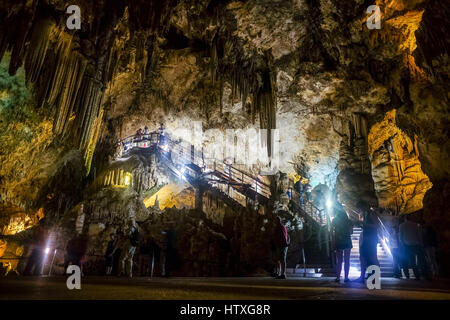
93 140
248 77
39 45
19 33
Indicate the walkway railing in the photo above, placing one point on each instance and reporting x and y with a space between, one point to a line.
215 172
318 215
384 235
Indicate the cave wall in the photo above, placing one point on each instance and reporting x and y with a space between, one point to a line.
310 68
396 170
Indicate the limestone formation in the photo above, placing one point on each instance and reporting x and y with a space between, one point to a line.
361 113
396 169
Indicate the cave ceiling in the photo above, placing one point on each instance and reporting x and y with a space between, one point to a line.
308 68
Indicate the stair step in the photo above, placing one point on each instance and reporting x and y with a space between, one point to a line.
301 270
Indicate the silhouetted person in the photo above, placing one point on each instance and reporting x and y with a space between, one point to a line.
298 186
342 229
369 239
308 192
128 244
162 134
36 259
170 252
146 132
139 135
281 242
76 250
109 255
117 253
397 256
430 244
147 254
410 236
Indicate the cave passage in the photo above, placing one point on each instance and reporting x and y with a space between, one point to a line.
194 143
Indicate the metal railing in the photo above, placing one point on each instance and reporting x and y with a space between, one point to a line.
383 232
307 206
216 172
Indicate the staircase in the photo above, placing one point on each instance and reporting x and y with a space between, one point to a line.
234 186
317 271
384 258
231 183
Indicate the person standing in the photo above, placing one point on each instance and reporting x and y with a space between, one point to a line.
170 251
430 244
308 191
395 250
35 261
410 236
369 239
109 255
139 135
342 229
76 251
118 252
146 132
298 186
129 244
162 135
281 243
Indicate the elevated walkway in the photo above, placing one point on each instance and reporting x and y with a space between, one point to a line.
239 189
235 186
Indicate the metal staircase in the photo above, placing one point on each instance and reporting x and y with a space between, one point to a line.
239 189
384 257
232 184
311 271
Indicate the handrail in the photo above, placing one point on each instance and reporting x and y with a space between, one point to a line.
220 165
384 230
222 162
314 212
187 155
234 176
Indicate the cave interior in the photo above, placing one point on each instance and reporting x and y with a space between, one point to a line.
239 103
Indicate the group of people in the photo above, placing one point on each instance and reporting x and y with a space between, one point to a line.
121 249
414 246
411 245
145 133
141 134
304 191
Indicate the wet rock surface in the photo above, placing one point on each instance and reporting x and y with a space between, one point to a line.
310 68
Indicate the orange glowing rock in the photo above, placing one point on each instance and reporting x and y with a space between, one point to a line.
400 183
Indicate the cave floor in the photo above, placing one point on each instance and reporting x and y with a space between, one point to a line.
54 288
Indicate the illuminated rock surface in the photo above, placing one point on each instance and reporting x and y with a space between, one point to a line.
400 183
309 68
